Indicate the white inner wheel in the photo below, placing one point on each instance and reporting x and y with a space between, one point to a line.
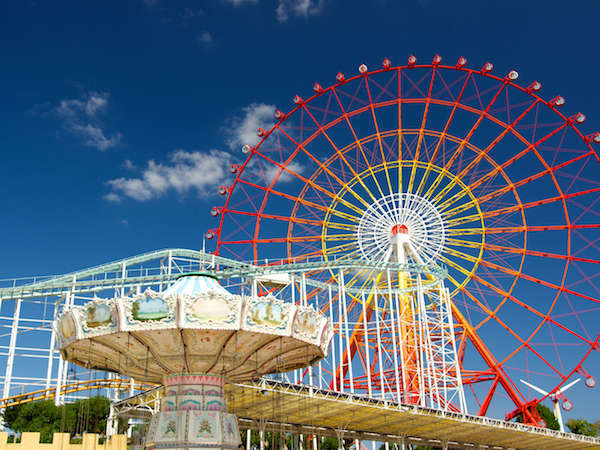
425 229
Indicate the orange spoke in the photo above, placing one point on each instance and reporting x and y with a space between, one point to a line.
329 172
383 160
506 188
411 180
358 142
517 274
463 143
510 209
523 342
521 229
303 201
442 137
519 251
340 154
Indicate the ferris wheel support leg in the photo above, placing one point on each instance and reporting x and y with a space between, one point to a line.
342 294
248 438
492 364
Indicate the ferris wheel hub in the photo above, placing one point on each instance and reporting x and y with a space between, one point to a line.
405 217
399 229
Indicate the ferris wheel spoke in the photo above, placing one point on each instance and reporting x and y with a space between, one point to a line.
331 237
296 175
441 139
481 154
522 275
324 168
356 139
515 158
545 317
524 343
399 131
512 186
511 209
520 229
381 146
519 251
339 153
302 201
339 226
463 143
413 170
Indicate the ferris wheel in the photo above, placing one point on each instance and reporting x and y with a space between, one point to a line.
476 174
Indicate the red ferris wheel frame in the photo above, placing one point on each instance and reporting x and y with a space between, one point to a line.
496 372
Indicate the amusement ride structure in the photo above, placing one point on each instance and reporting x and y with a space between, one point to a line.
444 220
193 337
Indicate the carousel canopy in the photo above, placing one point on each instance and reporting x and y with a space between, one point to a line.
195 326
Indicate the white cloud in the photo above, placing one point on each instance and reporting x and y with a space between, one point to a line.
301 8
205 38
89 105
197 171
264 172
80 116
241 130
285 176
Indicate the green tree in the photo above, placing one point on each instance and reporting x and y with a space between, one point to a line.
546 414
43 416
582 426
329 443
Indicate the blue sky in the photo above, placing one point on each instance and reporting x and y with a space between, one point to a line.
120 118
94 91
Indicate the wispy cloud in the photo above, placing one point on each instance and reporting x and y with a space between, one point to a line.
300 8
241 129
94 136
196 171
205 38
81 117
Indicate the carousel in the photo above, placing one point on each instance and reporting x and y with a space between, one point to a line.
193 337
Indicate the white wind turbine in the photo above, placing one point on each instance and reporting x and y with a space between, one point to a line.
567 405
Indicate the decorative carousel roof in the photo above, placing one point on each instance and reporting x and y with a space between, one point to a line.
194 326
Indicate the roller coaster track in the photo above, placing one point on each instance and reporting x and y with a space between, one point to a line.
70 388
127 274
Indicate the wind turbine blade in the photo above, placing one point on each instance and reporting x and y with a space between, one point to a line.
564 388
535 388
